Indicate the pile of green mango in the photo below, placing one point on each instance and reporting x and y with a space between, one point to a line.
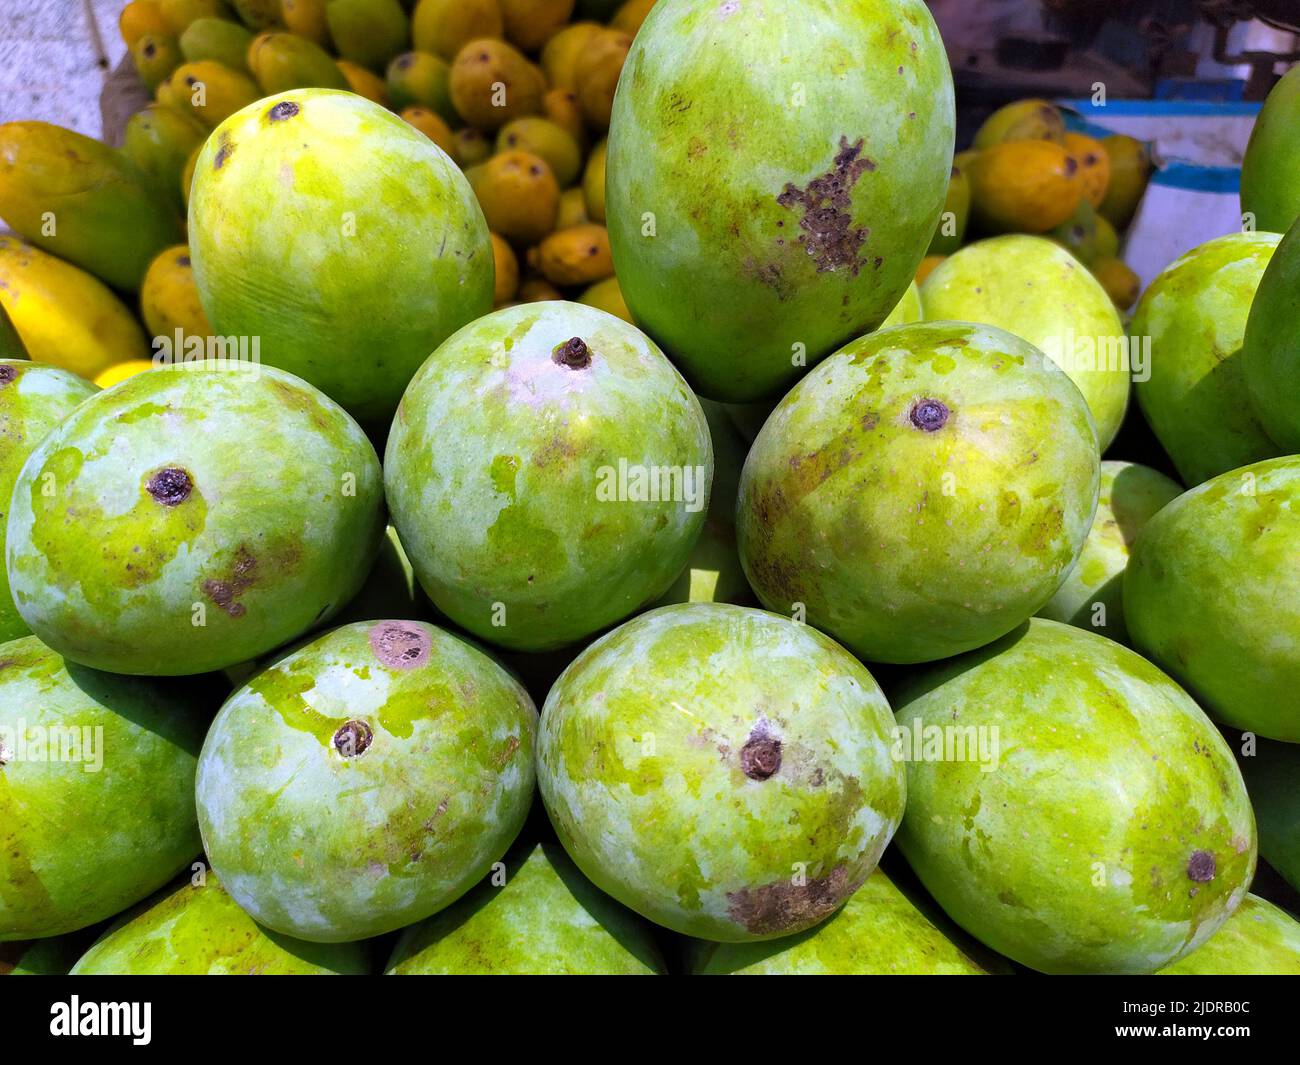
496 487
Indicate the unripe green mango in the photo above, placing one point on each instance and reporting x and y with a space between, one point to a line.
197 929
523 473
694 757
770 194
97 803
351 275
879 932
155 56
33 400
424 79
1271 348
401 761
368 32
82 201
1270 169
1212 595
160 141
217 39
1091 596
1194 314
951 231
922 492
1259 939
1092 820
1037 290
545 919
283 61
1272 774
232 551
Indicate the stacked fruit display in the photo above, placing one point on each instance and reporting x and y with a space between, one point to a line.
928 600
1025 172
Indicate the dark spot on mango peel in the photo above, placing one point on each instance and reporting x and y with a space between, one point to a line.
352 738
1201 867
225 592
7 374
829 235
170 486
182 260
788 906
573 353
929 415
760 758
224 151
284 109
398 645
1071 165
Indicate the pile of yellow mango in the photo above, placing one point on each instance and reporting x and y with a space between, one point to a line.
103 228
1026 173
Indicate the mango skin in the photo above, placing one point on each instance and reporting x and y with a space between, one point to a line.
990 282
77 847
107 219
355 846
651 760
199 930
284 61
1088 848
159 141
253 552
1259 939
1269 350
879 932
495 465
546 919
169 299
910 545
33 400
1273 778
1031 119
368 32
356 314
1092 595
1024 186
64 316
1212 595
218 39
1196 399
811 219
11 344
1270 169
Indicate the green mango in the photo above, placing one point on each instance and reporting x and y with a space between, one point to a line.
1037 290
1271 348
218 39
519 476
82 201
1078 233
33 400
1212 595
196 929
1091 596
350 275
1272 774
258 14
770 194
1259 939
1270 169
1193 316
97 803
230 551
879 932
1092 819
401 761
545 918
423 79
723 771
159 142
283 61
921 493
368 32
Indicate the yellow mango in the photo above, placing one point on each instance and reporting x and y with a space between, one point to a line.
1094 165
1026 186
1021 121
444 27
169 298
507 271
519 196
211 91
578 255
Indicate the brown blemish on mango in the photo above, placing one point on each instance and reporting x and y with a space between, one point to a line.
225 592
828 231
775 908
